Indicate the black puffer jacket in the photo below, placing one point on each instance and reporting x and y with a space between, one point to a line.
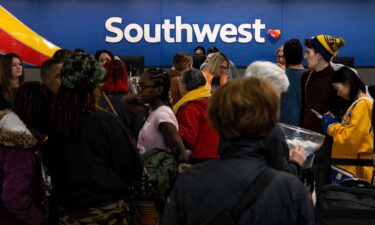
205 190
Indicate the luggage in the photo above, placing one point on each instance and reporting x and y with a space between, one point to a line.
351 202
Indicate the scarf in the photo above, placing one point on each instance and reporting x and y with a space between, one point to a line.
198 93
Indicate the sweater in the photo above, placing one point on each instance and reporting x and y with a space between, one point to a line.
290 106
317 93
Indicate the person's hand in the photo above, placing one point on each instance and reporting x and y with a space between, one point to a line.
329 113
327 120
183 167
316 113
297 154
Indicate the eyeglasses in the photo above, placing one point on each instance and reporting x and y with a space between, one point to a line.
142 86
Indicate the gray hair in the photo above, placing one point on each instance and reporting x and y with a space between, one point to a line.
269 71
193 78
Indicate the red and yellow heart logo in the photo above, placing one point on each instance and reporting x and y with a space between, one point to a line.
273 35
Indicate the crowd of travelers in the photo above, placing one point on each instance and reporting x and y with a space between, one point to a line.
75 148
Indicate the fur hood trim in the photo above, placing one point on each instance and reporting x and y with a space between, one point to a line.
14 133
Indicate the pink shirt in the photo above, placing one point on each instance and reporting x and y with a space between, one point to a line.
150 136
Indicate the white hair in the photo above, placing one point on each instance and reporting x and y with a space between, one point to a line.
268 71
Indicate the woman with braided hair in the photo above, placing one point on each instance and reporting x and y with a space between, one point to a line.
161 127
90 157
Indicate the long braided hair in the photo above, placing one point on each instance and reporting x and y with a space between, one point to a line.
161 78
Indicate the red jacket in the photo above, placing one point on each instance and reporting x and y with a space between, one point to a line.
196 131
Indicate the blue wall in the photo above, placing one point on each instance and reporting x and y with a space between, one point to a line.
81 24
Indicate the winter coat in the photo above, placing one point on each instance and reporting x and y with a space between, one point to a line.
94 168
353 139
23 199
195 129
206 189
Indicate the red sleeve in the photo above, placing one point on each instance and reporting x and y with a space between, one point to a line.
188 122
17 181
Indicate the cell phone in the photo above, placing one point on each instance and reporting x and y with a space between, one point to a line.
316 113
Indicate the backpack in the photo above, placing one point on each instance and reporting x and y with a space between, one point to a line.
149 196
161 167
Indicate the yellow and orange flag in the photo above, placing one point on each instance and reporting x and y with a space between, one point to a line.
16 37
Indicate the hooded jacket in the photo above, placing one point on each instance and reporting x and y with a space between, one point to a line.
22 190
